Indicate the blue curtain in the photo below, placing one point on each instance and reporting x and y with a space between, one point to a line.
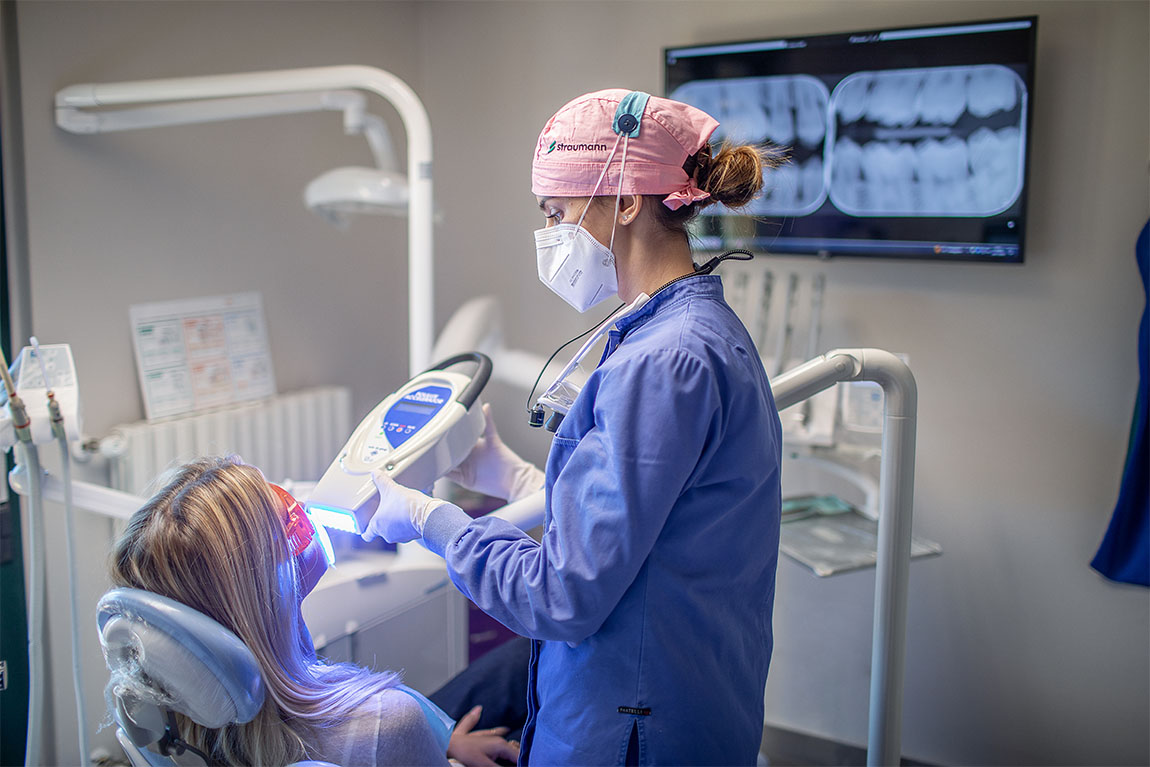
1125 552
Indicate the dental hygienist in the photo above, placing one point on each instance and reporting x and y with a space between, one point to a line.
649 596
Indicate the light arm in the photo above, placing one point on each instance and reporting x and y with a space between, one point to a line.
77 120
294 81
374 129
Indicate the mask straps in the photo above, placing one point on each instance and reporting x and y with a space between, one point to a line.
618 192
599 183
627 123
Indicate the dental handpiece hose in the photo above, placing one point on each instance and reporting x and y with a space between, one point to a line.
8 384
70 543
28 455
56 417
20 422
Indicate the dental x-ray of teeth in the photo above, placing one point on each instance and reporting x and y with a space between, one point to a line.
927 142
787 111
917 142
907 143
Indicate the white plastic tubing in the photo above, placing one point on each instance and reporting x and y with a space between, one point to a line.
36 603
73 601
384 84
896 499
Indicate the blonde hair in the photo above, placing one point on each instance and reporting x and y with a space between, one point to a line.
213 539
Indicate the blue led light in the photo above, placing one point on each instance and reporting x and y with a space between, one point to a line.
324 541
336 519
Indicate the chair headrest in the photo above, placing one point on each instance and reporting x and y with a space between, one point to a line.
165 655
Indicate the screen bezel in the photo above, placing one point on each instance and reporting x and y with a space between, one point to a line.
1029 80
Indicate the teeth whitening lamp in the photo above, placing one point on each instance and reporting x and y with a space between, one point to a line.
416 434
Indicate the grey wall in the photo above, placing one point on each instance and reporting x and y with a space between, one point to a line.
203 210
1018 652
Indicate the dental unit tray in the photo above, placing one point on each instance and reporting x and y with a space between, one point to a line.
416 434
831 536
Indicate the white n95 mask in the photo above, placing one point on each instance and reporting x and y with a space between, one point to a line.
575 266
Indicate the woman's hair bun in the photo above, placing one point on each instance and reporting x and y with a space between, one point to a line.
734 176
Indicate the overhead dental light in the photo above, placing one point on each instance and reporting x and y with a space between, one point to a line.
334 195
343 192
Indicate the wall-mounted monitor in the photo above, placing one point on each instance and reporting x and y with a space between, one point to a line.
909 143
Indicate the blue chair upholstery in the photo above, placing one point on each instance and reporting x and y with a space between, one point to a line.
165 657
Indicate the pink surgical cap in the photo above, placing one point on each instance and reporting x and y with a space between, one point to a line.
579 138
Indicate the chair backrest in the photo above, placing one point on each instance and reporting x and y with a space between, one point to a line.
165 657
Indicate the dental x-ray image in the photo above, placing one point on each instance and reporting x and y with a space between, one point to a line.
927 142
786 111
902 143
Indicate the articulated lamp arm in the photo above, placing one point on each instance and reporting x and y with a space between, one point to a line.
74 103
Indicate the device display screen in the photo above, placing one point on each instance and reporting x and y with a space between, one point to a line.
422 408
413 412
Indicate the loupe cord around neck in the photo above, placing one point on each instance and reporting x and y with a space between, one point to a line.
535 414
532 410
738 254
707 268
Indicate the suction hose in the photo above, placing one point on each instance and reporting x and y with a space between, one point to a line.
36 589
70 542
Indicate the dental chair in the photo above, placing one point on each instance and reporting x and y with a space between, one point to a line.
166 658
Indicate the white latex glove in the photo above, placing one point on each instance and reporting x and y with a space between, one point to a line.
494 469
401 513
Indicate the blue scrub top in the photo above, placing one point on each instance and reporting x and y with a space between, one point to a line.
650 594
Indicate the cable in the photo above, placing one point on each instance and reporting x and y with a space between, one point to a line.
31 461
37 573
707 268
535 414
9 387
172 743
730 255
70 543
539 377
57 418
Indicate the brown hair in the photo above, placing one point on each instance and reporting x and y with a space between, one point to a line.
733 177
213 539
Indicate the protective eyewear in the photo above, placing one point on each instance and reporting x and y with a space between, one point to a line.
310 546
297 524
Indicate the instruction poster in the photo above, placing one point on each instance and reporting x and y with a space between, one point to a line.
201 353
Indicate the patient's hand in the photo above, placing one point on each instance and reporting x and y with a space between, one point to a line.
480 748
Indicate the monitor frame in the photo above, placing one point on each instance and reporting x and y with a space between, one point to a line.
870 248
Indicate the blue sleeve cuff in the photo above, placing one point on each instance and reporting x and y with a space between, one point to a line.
443 526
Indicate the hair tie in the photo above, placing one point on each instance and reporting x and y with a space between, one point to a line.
686 196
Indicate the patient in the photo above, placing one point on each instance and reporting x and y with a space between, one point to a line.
221 540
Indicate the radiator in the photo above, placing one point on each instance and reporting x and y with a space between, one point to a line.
289 436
